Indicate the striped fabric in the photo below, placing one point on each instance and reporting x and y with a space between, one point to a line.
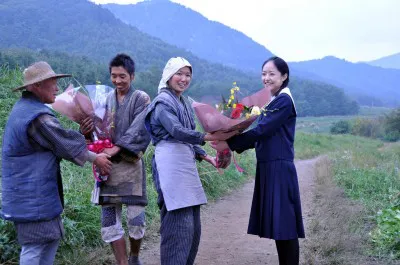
180 235
47 133
39 232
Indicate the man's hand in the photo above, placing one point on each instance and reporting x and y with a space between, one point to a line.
112 151
103 163
210 159
219 145
87 125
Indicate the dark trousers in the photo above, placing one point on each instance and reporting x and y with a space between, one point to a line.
288 251
180 235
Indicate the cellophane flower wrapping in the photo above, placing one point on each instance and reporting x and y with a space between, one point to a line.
77 103
74 104
230 115
103 118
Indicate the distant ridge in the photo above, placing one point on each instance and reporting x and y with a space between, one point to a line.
371 85
391 61
188 29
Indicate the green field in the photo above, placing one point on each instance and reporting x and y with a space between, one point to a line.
323 124
368 171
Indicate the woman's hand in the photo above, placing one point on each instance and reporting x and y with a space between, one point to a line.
112 151
210 159
103 163
220 135
219 145
87 125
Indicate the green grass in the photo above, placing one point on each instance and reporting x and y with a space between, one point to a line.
367 169
323 124
318 124
374 111
81 219
370 174
308 145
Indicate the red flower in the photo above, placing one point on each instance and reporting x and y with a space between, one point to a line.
99 145
237 111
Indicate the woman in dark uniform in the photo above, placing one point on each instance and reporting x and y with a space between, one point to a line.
276 208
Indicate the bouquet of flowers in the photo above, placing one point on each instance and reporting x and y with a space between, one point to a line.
79 102
230 115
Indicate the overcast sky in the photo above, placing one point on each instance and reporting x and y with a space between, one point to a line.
356 30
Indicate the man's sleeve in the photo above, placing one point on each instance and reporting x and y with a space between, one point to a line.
47 133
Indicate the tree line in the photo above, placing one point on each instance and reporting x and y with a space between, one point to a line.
311 98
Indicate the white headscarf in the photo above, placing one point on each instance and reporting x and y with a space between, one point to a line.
173 65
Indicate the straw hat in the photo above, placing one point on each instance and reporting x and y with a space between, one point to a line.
38 72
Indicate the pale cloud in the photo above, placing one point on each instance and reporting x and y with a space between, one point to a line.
357 30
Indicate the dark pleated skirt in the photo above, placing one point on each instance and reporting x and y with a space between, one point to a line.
276 208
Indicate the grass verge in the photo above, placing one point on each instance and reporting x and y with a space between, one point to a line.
356 215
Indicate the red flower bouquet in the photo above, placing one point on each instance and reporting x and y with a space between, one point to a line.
237 111
230 115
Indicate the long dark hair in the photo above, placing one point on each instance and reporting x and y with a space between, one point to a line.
282 67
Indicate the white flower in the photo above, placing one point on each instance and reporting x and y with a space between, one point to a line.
255 111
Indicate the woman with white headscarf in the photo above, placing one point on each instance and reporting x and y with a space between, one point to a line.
170 122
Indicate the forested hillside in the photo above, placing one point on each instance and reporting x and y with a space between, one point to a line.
80 37
188 29
312 98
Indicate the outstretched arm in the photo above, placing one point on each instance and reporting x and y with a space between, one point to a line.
47 133
274 117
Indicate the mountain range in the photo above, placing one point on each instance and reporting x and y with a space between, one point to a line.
79 28
183 27
188 29
390 61
370 85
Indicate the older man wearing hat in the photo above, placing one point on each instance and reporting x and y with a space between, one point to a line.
33 145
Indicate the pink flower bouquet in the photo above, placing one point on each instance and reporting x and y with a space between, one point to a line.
231 115
78 103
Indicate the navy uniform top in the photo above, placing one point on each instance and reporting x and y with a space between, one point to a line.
273 137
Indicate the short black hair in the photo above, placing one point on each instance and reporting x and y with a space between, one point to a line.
125 61
282 67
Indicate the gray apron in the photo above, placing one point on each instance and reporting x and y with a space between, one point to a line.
177 172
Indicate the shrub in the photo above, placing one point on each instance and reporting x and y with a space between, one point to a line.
387 232
341 127
367 127
392 126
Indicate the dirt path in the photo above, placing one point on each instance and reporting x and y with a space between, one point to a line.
224 224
